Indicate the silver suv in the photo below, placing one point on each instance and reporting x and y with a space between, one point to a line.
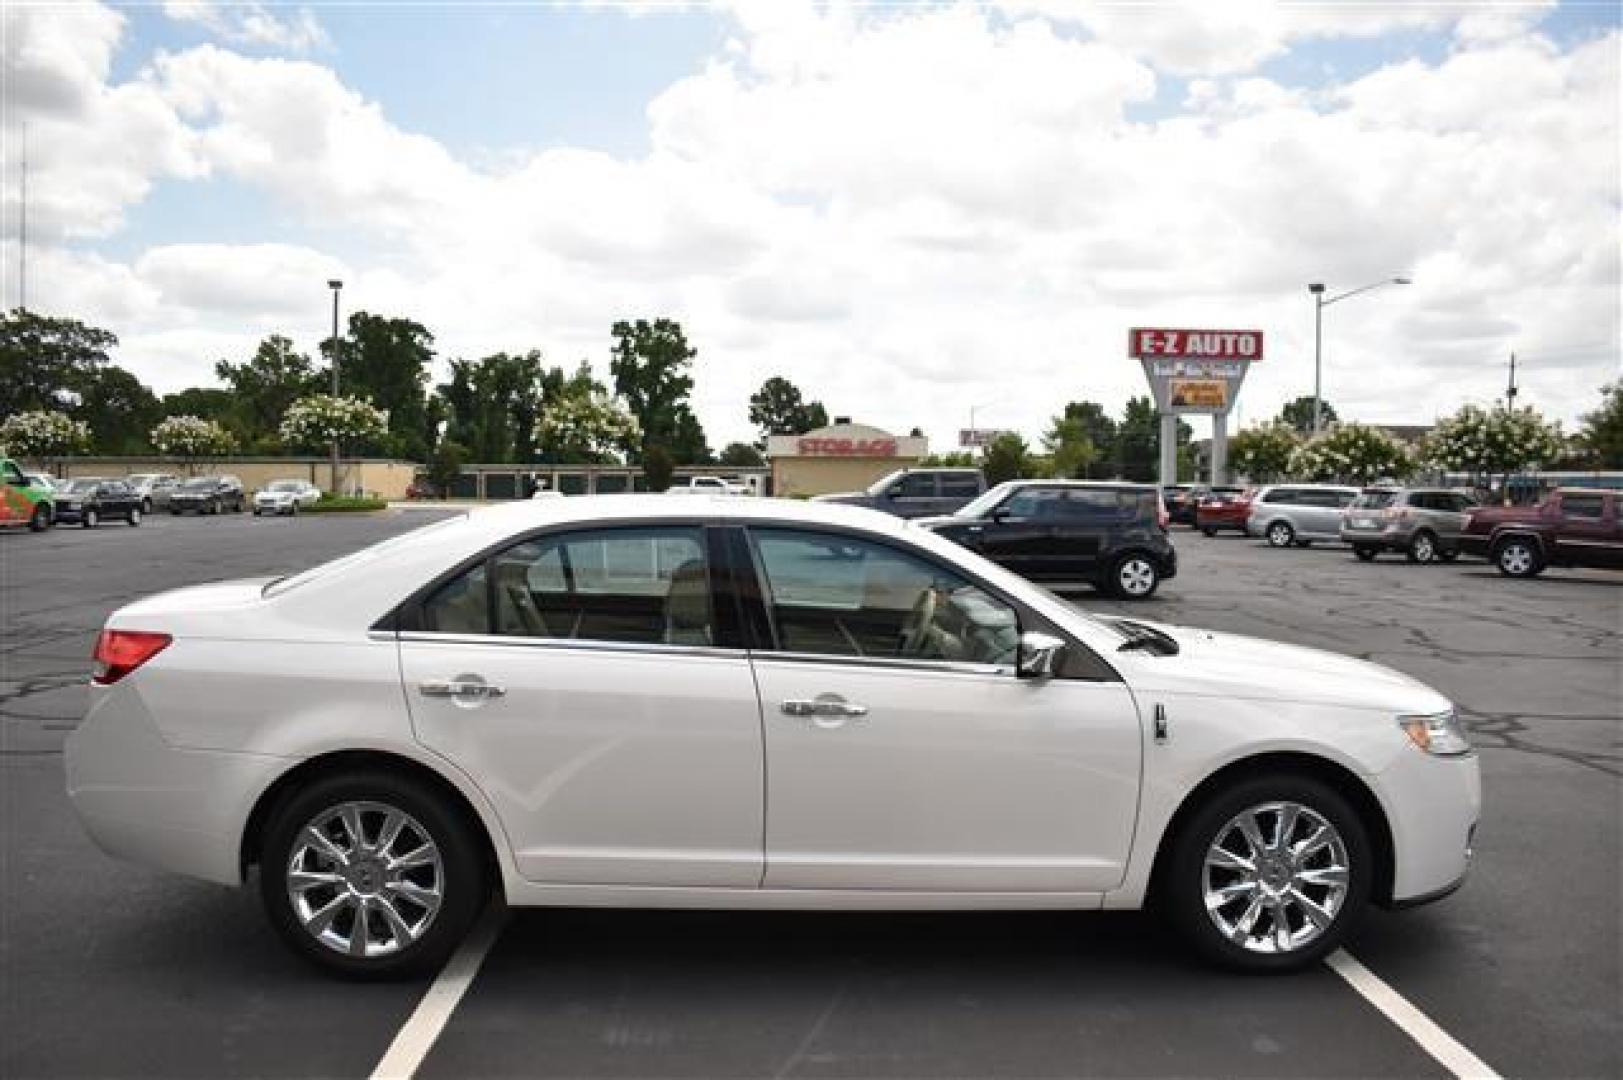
1423 523
1299 514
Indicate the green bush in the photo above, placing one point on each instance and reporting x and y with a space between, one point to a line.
345 504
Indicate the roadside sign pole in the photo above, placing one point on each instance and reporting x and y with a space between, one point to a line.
1220 448
1169 448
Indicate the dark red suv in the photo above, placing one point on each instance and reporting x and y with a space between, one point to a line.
1571 527
1224 508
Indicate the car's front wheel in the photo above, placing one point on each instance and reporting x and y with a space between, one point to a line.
1423 547
1365 553
1280 534
1517 556
40 519
371 874
1134 577
1269 874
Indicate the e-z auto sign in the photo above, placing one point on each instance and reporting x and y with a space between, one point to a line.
1149 344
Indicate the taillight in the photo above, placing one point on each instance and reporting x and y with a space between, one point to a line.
119 652
1162 518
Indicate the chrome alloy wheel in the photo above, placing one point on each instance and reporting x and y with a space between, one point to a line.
365 879
1516 558
1136 576
1275 877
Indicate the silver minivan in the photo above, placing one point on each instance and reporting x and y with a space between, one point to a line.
1286 514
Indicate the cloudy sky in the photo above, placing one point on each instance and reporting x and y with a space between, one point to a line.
908 209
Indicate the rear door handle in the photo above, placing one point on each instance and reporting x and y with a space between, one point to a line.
460 688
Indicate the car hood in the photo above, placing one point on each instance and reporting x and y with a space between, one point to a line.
1228 665
848 498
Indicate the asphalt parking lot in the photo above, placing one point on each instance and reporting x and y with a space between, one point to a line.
112 970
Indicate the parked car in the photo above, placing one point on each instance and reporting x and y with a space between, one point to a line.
42 479
1571 527
1224 509
285 497
90 500
154 489
563 703
1299 514
1422 523
25 499
913 493
1183 508
707 485
1067 532
207 495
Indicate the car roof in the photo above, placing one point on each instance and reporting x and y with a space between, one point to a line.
1104 485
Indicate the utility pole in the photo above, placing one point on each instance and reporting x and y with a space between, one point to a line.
1510 391
22 231
336 286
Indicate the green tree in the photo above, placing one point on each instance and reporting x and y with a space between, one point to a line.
1493 442
1262 454
649 365
779 408
658 468
1299 414
387 362
1100 429
1352 453
265 385
738 455
45 362
493 405
208 402
1602 433
44 435
1069 448
1138 440
190 438
952 459
119 409
1007 457
445 466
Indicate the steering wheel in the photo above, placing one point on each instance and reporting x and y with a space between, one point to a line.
917 628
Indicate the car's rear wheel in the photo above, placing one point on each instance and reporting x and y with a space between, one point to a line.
40 519
1423 547
1280 534
1207 531
371 875
1518 556
134 516
89 519
1365 553
1134 577
1269 874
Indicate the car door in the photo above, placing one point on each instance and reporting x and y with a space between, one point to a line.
903 752
1588 532
1320 513
581 678
1018 533
913 495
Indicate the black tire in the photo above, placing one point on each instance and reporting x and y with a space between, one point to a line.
174 513
1365 553
1280 534
1518 557
88 518
1207 531
211 508
465 885
1134 576
1181 884
1422 547
40 519
133 517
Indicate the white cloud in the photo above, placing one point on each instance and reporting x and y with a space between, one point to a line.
906 212
254 24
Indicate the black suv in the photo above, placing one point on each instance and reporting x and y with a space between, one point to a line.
207 495
91 500
914 493
1059 532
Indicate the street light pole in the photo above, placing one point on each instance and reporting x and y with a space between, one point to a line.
1319 304
336 286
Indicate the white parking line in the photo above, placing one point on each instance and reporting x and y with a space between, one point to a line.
1448 1051
416 1037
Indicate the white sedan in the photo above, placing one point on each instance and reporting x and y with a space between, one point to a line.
285 497
726 703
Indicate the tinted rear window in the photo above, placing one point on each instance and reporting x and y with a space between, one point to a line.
1375 500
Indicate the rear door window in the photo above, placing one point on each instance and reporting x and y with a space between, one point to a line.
1588 507
959 486
915 486
1285 496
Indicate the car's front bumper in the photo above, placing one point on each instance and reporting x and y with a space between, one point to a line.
286 507
1432 805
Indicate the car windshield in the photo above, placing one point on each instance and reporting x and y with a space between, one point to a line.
1375 500
981 506
79 487
202 483
879 485
285 485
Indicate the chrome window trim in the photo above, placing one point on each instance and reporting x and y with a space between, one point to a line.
579 644
954 667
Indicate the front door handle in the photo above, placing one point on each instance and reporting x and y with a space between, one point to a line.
460 688
825 710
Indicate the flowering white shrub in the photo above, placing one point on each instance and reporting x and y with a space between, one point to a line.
1263 453
191 437
1354 453
593 426
321 418
43 435
1483 442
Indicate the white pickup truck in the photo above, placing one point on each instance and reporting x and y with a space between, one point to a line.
707 485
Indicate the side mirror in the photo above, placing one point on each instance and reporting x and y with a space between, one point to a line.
1001 513
1039 655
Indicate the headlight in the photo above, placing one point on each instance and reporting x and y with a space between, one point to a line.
1438 734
